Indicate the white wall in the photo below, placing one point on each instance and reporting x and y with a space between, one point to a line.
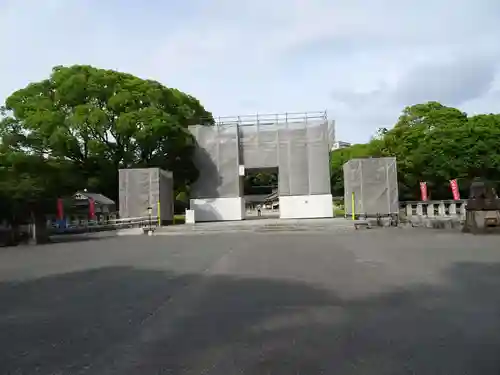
218 209
306 206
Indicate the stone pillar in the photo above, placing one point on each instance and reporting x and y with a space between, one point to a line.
462 211
453 209
39 233
430 210
420 210
409 210
441 209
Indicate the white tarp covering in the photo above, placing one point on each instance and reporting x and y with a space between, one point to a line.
218 162
374 182
298 146
141 188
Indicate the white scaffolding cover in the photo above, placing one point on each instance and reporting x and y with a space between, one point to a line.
217 159
374 182
141 188
298 146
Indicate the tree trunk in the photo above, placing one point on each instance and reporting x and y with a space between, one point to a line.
39 232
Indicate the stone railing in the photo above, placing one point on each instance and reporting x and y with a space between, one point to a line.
433 209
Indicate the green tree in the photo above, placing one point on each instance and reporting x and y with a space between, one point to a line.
101 120
29 187
465 151
417 142
432 143
341 156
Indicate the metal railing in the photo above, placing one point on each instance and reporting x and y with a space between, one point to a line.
114 224
272 119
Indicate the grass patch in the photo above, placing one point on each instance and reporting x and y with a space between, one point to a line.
179 219
339 212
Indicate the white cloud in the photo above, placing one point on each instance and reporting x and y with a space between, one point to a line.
361 59
453 83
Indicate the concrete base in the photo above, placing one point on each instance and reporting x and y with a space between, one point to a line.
218 209
306 206
190 217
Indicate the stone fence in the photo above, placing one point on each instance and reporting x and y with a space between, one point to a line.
433 209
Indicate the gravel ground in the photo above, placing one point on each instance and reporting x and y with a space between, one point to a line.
384 301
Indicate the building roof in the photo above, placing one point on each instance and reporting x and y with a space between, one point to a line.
255 198
96 197
273 196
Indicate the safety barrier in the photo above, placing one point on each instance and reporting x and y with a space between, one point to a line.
125 223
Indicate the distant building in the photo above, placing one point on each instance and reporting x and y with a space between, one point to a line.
82 207
103 207
272 200
339 144
253 200
332 143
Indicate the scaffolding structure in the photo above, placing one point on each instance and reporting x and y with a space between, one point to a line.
296 143
371 187
146 191
278 119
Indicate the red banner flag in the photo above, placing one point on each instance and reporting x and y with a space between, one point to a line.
91 209
60 209
423 191
454 189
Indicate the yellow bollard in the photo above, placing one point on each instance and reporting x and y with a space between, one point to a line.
158 214
353 205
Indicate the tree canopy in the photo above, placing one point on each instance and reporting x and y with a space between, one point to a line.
75 129
432 143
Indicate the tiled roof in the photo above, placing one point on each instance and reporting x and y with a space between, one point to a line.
98 198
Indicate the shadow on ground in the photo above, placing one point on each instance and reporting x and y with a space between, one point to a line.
117 320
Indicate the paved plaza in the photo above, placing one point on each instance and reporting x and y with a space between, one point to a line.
379 301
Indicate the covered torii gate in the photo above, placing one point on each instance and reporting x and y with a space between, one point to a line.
295 143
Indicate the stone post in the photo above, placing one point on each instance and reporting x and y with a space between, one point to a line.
441 210
430 210
420 210
462 211
453 209
409 210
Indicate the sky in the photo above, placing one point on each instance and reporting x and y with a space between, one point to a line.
361 60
